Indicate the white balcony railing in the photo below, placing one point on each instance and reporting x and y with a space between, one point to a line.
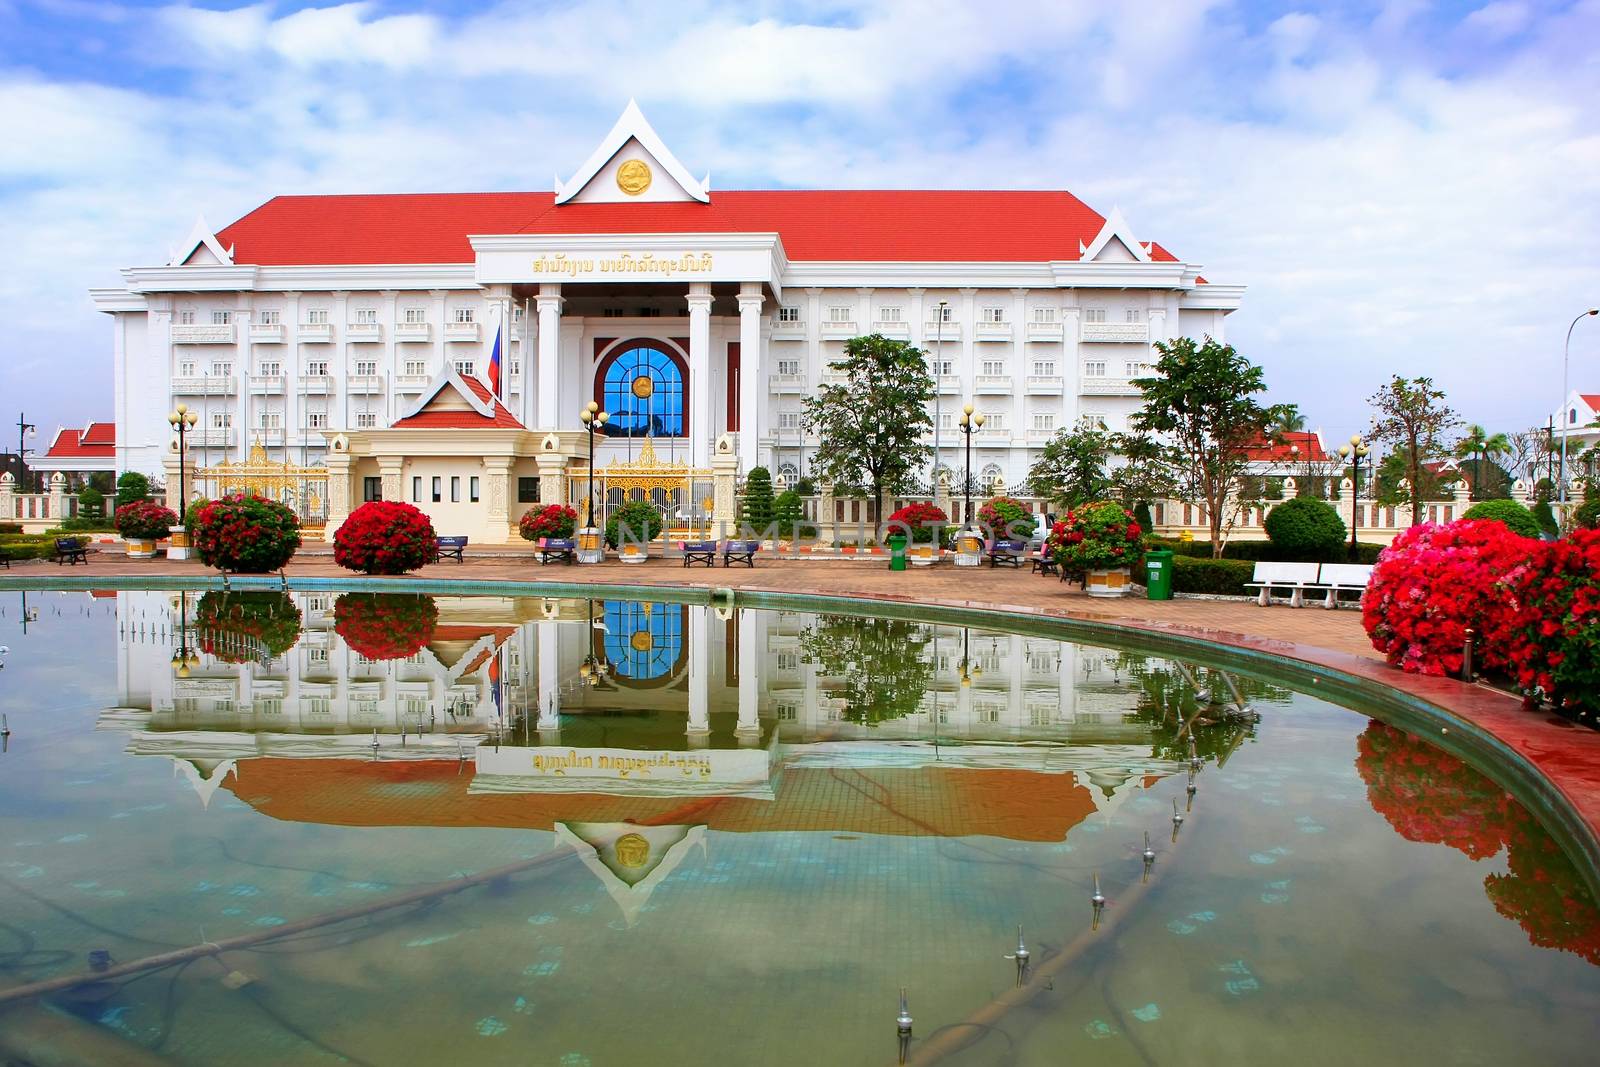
992 434
831 378
993 383
1045 384
789 328
364 331
835 328
267 435
364 383
211 333
1044 331
266 333
460 331
1131 332
949 383
316 385
203 386
892 328
413 331
1109 387
211 438
266 383
993 331
1038 436
787 383
411 382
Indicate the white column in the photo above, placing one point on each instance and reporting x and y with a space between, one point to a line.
699 727
549 305
549 660
700 429
752 364
750 661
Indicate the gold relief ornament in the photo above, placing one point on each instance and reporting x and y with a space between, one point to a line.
633 177
633 850
642 641
643 387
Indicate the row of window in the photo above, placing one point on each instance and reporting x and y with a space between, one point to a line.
992 315
1042 421
996 368
372 489
318 368
358 316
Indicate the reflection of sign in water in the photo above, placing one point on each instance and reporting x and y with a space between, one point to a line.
623 771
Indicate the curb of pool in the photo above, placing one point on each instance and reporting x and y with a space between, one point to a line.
1420 705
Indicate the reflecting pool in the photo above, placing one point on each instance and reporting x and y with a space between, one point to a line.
418 830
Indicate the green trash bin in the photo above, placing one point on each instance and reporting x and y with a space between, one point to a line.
897 552
1158 573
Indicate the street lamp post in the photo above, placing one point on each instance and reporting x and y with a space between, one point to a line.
938 371
969 548
25 430
182 420
1355 452
590 546
1566 428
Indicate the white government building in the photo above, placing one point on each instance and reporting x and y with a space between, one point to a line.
333 319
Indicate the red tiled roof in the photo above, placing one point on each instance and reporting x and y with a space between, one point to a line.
99 441
1281 447
917 225
462 419
1592 399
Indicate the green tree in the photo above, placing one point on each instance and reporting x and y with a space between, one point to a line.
875 665
872 424
130 487
1147 471
1480 449
1395 468
790 514
91 503
756 505
1412 416
1202 400
1072 466
102 481
1288 421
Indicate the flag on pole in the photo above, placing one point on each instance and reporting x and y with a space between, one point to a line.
494 363
494 684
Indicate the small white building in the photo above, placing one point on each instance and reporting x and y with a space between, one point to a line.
316 315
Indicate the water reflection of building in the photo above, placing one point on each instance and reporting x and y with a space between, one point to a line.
612 697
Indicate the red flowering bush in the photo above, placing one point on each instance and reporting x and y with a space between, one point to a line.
1008 517
144 520
552 520
919 521
244 627
385 625
1428 795
1099 536
1436 582
245 533
384 537
1554 647
1544 892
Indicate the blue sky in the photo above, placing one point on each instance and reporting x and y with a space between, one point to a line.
1405 187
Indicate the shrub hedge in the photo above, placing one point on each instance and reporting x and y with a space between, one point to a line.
1266 551
1306 528
16 547
1518 519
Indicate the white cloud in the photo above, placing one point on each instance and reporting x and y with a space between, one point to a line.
1499 19
1390 209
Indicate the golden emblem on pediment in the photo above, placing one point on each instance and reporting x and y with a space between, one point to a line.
633 177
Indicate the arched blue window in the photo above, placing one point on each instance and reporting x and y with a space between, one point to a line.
642 385
644 641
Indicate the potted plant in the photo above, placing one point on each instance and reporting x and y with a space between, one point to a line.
924 524
1098 542
143 523
631 528
552 520
1005 517
385 537
247 534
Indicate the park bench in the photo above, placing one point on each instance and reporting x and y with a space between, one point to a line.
556 548
1043 562
1344 578
1006 552
1294 577
71 550
740 552
452 547
699 552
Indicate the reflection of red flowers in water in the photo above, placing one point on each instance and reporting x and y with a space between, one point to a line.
1430 796
226 623
384 625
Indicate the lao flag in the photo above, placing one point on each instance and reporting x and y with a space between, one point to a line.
494 364
494 682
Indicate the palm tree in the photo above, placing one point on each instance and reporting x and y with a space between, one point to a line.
1288 421
1481 448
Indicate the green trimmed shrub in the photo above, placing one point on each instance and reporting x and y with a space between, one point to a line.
1257 551
10 528
27 546
80 524
1518 519
130 487
641 518
756 506
1141 515
91 503
789 511
1306 528
1587 517
1545 516
805 487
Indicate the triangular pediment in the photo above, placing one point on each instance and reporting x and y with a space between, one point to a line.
632 164
1114 243
629 859
201 248
449 392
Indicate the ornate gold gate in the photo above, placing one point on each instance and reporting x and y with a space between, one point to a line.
305 489
680 492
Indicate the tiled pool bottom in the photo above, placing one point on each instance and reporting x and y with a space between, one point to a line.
1338 891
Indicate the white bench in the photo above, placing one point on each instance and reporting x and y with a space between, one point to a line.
1344 577
1295 577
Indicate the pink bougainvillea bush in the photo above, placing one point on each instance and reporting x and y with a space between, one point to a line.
1436 582
1554 648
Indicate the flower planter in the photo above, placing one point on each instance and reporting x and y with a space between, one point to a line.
631 553
591 547
1109 581
922 555
139 548
178 544
969 548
